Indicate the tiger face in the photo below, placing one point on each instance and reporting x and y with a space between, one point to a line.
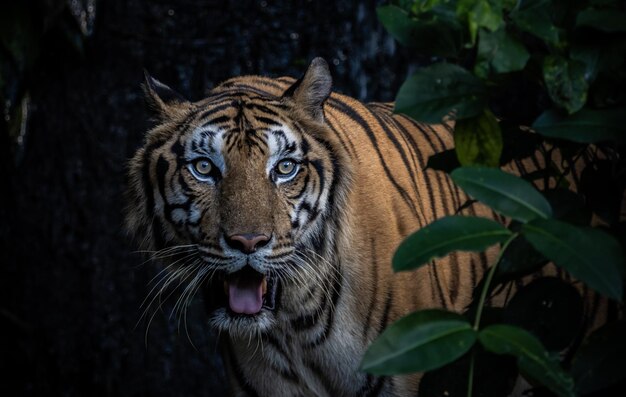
246 183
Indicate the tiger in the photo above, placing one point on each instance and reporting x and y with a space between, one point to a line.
283 202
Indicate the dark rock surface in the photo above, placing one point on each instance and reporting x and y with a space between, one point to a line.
71 285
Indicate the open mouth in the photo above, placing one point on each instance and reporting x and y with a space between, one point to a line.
245 292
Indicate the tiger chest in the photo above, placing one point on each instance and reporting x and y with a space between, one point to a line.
289 363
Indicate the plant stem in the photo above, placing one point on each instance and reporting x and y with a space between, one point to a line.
492 271
479 309
470 381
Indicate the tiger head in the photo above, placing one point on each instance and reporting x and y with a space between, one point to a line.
243 195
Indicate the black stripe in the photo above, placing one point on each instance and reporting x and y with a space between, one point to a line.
455 274
217 120
372 305
209 112
484 262
274 83
309 320
319 168
305 146
250 88
336 213
439 175
268 121
162 168
354 115
399 149
443 196
302 190
452 188
435 275
287 373
238 372
337 285
266 110
422 164
382 324
323 379
472 270
373 386
420 157
339 135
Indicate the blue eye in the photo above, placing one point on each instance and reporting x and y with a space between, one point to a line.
202 168
286 167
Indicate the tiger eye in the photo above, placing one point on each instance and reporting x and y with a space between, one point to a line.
285 167
203 167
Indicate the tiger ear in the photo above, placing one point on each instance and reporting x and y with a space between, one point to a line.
159 97
311 90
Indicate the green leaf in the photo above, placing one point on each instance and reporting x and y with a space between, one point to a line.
565 81
601 359
422 6
452 233
604 20
585 126
591 56
432 37
533 360
421 341
533 16
505 193
589 255
518 260
499 52
478 141
439 90
480 14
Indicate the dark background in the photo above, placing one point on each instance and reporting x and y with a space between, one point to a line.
71 283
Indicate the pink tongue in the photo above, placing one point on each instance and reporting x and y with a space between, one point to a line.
245 297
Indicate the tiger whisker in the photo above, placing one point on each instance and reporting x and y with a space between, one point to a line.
305 260
185 273
161 286
190 285
163 279
166 253
182 304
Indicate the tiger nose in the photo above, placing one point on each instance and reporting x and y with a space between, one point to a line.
247 242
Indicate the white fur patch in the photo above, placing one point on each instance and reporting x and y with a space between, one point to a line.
209 143
242 326
278 139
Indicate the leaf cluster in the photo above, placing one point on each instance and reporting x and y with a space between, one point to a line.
544 316
518 78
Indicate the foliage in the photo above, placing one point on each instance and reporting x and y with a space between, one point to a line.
557 67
